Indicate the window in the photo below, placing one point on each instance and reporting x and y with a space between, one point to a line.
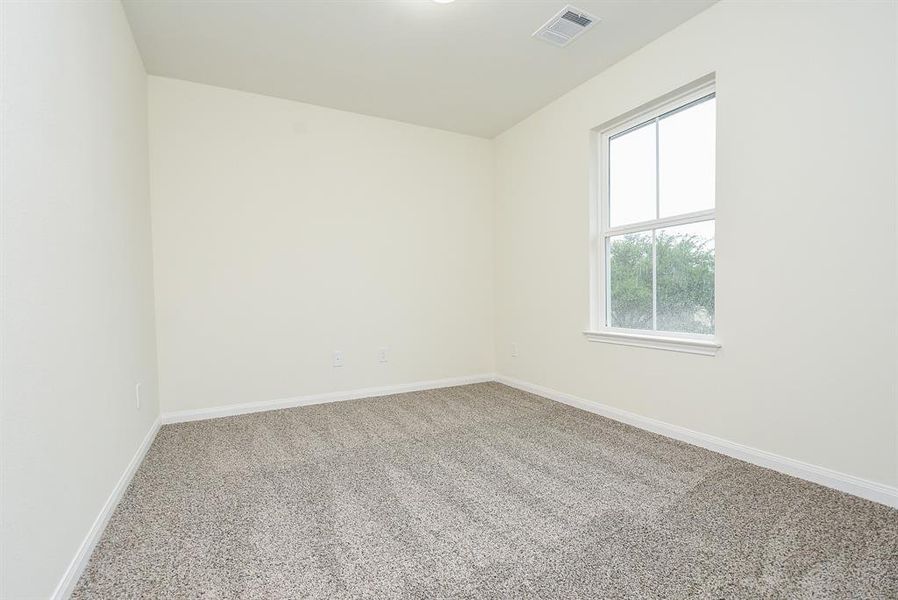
653 236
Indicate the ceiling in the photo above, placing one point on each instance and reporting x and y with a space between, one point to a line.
470 66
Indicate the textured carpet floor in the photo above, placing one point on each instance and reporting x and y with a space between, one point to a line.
474 491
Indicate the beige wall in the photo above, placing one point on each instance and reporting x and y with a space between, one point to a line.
284 231
806 236
76 330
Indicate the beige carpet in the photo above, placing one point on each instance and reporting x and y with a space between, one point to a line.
471 492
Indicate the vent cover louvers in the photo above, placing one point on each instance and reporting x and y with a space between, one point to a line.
565 26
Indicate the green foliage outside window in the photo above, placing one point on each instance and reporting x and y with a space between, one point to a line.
685 282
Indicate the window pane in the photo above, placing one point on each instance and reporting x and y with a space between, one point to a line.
632 176
630 281
686 159
685 256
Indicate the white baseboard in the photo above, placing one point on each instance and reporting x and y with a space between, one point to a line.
252 407
850 484
871 490
76 567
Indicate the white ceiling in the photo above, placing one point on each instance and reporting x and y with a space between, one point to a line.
470 66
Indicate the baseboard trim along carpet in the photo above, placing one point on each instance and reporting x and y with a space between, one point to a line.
870 490
76 567
250 407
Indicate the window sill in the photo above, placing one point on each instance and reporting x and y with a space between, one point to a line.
706 347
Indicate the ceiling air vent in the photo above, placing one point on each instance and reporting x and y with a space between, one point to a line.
565 26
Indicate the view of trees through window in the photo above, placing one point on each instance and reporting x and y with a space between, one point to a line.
685 280
661 194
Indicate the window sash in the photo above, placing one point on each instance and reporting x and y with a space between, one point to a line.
650 227
600 304
683 219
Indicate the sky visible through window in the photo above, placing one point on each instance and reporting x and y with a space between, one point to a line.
686 166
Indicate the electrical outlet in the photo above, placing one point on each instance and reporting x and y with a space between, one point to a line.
137 395
338 358
514 350
382 354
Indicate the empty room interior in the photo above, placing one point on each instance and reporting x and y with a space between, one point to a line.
448 299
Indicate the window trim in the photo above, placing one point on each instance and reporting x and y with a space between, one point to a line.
600 229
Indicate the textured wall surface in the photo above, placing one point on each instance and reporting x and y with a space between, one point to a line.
77 321
806 236
283 232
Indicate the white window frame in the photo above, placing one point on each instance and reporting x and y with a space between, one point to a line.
601 230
